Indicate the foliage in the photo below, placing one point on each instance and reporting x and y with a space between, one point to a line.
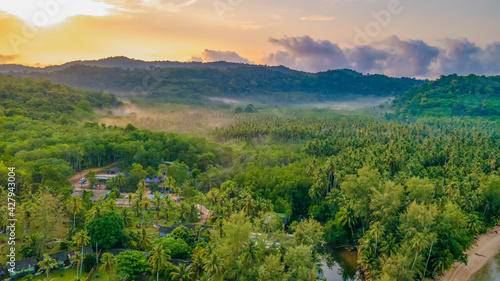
106 230
451 95
131 263
178 248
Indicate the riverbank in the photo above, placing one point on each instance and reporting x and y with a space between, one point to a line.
486 248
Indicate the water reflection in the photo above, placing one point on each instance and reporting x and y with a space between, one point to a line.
339 264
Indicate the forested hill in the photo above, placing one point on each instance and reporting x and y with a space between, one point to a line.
42 99
247 83
452 95
122 62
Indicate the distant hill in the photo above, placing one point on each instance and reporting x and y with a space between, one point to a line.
128 63
252 83
451 95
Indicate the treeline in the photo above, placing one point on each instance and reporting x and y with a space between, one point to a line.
410 196
259 83
451 95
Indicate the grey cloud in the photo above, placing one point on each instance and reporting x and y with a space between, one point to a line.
408 58
491 59
460 56
305 53
393 56
367 59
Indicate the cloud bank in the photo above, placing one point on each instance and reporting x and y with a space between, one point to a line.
392 56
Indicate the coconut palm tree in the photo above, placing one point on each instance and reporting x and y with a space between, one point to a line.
169 204
247 203
47 263
144 240
125 213
120 181
183 209
27 212
81 239
76 259
418 242
213 266
109 264
182 273
145 204
130 198
348 218
157 204
376 230
74 204
93 213
158 259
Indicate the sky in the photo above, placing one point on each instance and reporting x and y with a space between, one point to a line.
413 38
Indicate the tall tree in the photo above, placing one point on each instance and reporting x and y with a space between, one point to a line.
74 205
81 239
158 259
47 263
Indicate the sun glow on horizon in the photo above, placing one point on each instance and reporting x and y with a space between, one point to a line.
52 12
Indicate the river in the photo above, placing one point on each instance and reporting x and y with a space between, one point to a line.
489 272
339 264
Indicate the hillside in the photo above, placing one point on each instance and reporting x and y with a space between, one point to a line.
452 95
42 99
259 84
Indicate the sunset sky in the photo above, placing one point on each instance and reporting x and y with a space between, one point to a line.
420 38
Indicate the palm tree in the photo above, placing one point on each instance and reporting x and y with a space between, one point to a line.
182 273
213 265
120 181
144 240
76 259
47 263
348 218
158 259
169 204
183 209
130 197
74 205
418 242
376 230
157 204
197 265
109 264
127 220
247 203
93 213
145 203
198 232
212 196
169 182
81 239
249 253
27 211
